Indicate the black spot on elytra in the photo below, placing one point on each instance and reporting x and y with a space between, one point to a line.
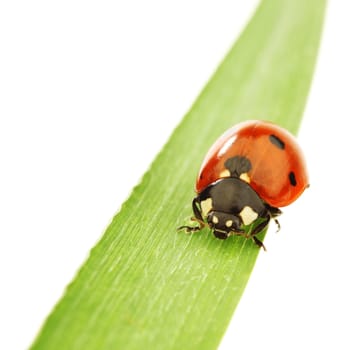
292 179
238 165
276 141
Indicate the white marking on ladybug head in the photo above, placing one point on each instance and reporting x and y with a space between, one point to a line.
248 215
225 173
229 223
215 219
207 206
245 177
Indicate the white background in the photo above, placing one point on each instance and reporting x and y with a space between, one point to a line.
81 83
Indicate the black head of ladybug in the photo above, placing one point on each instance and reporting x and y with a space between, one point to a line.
223 223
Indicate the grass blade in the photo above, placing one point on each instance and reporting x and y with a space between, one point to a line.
146 287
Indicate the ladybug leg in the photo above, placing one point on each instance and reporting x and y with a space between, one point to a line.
277 224
197 217
252 234
238 232
197 213
258 229
259 243
274 212
192 229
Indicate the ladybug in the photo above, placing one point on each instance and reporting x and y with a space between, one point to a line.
254 168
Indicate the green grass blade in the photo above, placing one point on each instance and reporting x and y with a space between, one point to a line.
144 286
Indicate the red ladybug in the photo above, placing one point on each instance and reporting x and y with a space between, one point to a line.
251 170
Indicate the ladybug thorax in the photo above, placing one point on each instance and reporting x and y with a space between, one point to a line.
229 204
